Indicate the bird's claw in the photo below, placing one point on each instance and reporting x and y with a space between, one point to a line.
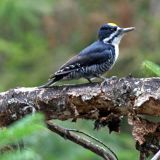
114 78
129 76
103 83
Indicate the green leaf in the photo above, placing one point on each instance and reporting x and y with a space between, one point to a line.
22 128
151 68
19 155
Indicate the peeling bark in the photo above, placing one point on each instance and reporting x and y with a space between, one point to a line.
119 96
105 103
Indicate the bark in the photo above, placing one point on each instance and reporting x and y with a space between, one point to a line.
103 102
120 96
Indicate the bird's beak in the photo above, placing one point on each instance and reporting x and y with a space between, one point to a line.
125 30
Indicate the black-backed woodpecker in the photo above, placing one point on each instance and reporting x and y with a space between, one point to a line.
94 60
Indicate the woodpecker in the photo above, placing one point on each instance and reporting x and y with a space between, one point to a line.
94 60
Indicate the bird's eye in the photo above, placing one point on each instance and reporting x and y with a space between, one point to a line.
113 29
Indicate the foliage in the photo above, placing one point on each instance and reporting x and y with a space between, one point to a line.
16 133
19 155
17 14
39 143
37 36
151 68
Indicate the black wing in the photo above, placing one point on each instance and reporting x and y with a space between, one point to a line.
94 54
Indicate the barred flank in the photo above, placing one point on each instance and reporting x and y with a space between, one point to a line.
90 71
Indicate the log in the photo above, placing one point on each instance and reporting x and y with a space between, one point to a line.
120 96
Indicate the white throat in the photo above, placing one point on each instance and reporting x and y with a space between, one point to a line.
115 43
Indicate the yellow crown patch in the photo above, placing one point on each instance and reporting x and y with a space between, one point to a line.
112 24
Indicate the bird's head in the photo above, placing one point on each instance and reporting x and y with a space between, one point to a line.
111 33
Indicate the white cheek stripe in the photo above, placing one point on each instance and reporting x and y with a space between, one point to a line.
115 42
111 36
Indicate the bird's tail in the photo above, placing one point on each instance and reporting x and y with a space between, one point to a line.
51 82
48 84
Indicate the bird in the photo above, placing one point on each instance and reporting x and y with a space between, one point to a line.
94 60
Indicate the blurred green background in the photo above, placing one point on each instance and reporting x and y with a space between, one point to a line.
38 36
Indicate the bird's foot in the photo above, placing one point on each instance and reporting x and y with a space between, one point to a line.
103 83
89 80
129 76
101 77
114 78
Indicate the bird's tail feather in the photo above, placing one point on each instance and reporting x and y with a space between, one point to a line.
48 84
51 82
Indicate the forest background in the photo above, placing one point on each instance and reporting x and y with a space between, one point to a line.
38 36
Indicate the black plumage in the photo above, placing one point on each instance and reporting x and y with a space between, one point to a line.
92 61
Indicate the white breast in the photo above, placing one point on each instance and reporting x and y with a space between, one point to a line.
115 43
116 51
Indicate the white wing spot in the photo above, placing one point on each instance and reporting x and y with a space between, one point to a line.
67 68
72 66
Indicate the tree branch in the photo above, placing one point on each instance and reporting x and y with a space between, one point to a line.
90 101
65 133
105 103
